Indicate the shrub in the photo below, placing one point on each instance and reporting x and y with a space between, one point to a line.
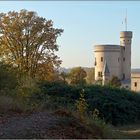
27 88
8 79
8 104
115 82
116 106
81 105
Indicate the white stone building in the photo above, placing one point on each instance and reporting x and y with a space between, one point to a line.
115 60
135 80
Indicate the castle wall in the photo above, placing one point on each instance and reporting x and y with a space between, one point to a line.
135 81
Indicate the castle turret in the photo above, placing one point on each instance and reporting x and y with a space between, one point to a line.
125 43
106 74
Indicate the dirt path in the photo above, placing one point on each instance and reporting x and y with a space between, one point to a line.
129 131
44 125
51 125
33 126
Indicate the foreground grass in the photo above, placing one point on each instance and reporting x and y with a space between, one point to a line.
56 123
28 123
65 122
45 124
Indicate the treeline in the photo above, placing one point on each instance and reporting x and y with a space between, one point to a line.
78 76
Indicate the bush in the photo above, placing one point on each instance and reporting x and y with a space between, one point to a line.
81 106
8 104
115 82
8 79
27 87
116 106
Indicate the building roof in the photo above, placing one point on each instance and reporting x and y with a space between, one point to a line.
125 82
126 34
106 69
107 45
135 70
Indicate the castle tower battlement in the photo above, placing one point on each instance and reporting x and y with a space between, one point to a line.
125 44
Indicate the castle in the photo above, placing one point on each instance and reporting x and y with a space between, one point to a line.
115 60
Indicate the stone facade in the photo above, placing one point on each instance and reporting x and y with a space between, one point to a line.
135 80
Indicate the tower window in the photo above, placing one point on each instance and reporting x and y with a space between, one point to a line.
118 59
124 59
95 62
135 84
99 74
101 59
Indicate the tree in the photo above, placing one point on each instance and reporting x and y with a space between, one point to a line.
64 76
77 76
90 76
115 82
28 42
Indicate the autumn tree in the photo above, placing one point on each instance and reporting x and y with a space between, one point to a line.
77 76
28 42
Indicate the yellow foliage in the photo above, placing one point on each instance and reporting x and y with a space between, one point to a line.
81 105
28 42
95 114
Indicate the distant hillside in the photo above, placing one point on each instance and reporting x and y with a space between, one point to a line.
67 70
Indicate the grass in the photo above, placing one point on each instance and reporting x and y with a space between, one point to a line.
73 127
69 124
17 105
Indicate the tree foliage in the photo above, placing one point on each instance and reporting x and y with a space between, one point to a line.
115 82
90 76
29 42
8 79
77 76
81 105
63 77
115 106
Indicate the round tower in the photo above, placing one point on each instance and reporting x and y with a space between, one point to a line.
125 43
107 55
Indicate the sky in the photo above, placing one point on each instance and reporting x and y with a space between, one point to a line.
85 24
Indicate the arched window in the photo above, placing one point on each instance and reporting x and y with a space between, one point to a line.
118 59
101 59
135 84
95 63
123 76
